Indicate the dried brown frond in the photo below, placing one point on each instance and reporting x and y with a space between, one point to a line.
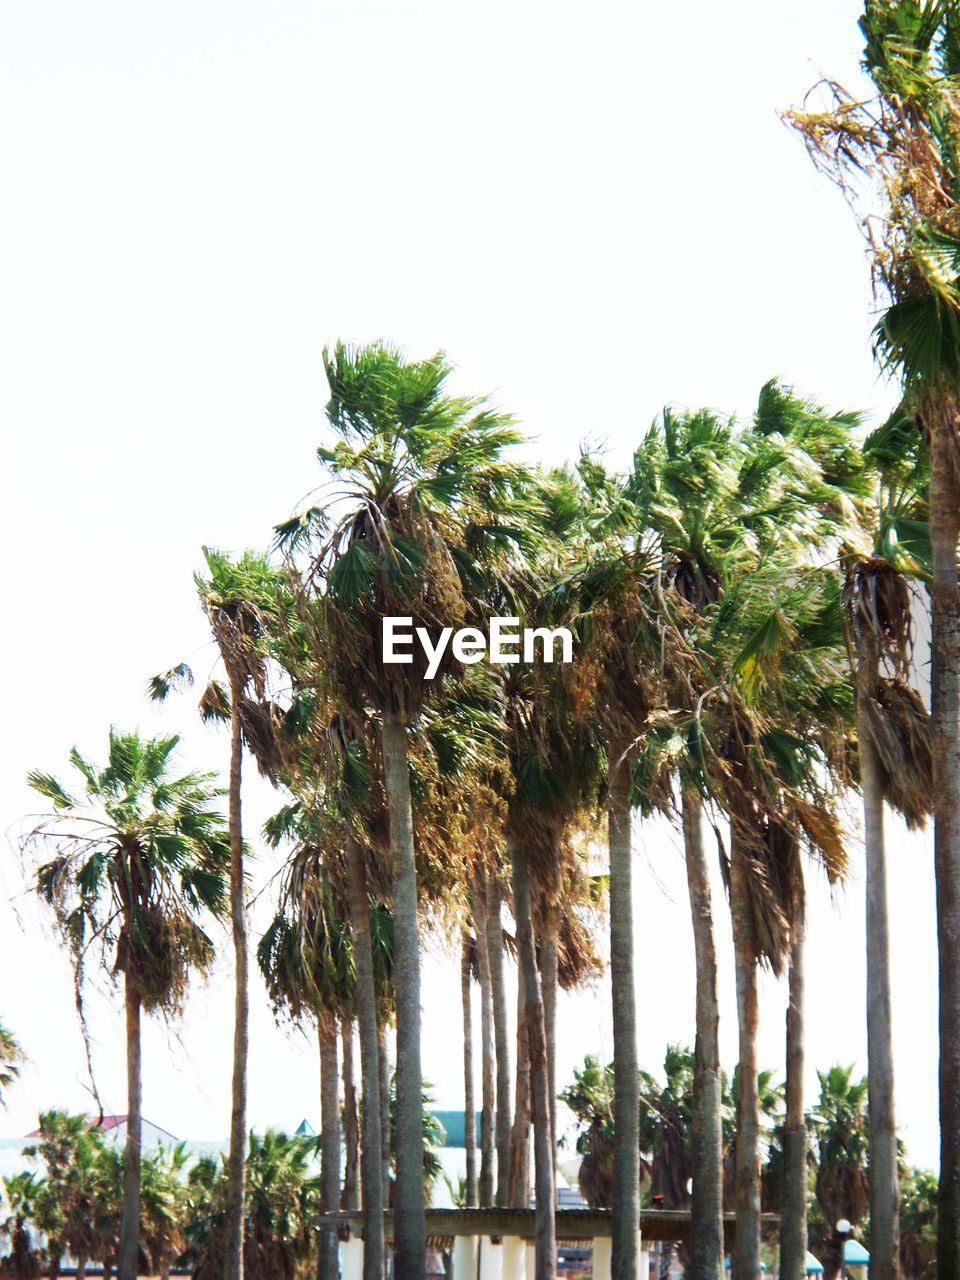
902 733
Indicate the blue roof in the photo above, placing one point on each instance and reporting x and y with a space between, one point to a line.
813 1266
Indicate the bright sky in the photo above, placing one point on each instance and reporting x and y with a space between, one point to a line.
594 209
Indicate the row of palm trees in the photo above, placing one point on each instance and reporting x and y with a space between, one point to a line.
715 592
838 1174
69 1206
741 599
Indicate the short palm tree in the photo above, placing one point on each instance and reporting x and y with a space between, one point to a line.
918 1224
20 1192
137 859
413 468
163 1207
590 1098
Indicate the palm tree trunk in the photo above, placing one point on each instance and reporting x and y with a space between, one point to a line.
410 1221
520 1137
81 1267
545 1225
706 1228
487 1067
236 1159
383 1059
129 1256
549 967
327 1039
371 1167
626 1103
501 1035
793 1216
945 711
884 1180
469 1106
746 1251
351 1127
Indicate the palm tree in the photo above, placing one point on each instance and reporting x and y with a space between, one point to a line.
138 858
718 499
11 1058
839 1123
248 610
918 1224
686 487
487 1052
241 602
306 959
163 1207
20 1191
413 464
903 143
467 950
623 631
498 991
896 766
590 1098
70 1151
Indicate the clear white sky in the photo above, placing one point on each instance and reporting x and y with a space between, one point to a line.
593 208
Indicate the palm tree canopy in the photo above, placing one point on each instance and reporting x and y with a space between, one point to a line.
11 1057
419 490
140 855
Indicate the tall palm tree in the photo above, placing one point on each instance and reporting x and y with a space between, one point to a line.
903 143
485 1181
139 857
412 466
715 497
249 610
241 601
778 733
623 629
896 764
467 948
555 761
684 483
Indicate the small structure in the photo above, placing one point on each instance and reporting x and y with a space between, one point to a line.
856 1260
813 1266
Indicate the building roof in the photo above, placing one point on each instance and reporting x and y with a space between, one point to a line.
108 1124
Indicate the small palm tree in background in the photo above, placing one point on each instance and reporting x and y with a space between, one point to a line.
139 858
839 1125
22 1261
11 1059
590 1098
918 1224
